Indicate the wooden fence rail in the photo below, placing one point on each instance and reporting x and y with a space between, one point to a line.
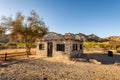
7 56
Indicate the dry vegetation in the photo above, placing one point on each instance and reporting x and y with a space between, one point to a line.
58 69
33 51
13 54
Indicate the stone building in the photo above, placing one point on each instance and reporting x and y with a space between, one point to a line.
57 45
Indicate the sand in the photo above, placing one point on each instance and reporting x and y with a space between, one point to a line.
57 69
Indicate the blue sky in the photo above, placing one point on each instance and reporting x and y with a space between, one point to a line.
101 17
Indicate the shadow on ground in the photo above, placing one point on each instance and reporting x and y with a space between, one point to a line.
103 58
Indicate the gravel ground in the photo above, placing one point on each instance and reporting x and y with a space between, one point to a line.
41 69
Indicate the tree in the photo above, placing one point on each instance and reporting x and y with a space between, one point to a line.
25 30
2 31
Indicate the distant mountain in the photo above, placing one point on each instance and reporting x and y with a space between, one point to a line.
113 38
84 37
91 37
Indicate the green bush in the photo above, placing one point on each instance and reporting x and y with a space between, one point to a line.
17 45
96 45
33 45
21 45
11 45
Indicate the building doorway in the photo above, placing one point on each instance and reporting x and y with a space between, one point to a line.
49 49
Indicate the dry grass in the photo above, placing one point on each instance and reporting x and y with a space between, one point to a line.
15 53
33 51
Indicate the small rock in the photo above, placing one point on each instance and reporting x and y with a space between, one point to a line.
94 61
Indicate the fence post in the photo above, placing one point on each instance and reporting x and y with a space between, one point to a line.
5 56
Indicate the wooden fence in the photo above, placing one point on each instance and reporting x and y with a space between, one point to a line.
9 56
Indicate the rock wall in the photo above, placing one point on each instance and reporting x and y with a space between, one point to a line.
68 49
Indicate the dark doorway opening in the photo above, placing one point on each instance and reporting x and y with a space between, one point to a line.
49 49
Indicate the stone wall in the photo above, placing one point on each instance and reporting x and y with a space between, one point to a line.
42 53
61 53
76 53
68 49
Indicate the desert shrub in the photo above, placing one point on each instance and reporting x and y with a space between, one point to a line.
21 45
11 45
96 44
33 45
17 45
89 44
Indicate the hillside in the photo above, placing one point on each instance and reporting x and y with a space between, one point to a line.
84 37
91 37
114 38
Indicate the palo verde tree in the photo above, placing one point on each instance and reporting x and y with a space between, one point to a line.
25 29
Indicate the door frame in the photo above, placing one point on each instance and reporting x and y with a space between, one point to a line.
49 49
